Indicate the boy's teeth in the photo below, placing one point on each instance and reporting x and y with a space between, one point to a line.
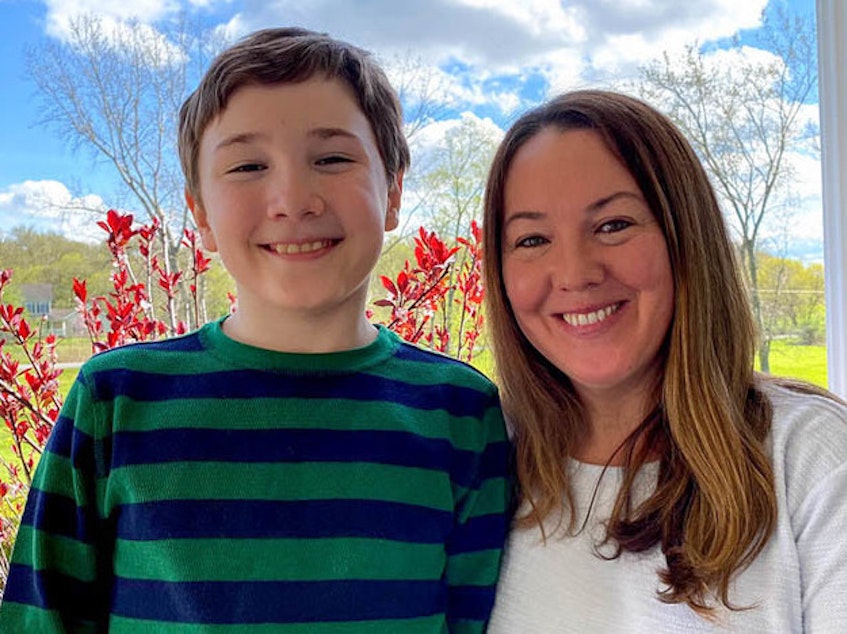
305 247
585 319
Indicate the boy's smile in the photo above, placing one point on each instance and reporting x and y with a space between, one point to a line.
295 198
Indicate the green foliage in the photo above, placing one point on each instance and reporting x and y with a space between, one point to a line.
215 284
791 299
50 258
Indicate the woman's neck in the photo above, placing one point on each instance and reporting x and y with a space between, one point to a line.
611 422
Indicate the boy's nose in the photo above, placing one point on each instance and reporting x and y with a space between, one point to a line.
293 194
577 267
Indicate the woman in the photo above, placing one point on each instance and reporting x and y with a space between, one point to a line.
665 486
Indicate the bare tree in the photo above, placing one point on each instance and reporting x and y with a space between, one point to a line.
742 120
114 89
423 89
453 180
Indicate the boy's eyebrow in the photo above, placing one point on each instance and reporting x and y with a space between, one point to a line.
250 137
592 208
239 138
328 133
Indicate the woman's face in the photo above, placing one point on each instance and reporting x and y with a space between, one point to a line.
585 265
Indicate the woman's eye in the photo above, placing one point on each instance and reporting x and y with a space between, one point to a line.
613 226
530 242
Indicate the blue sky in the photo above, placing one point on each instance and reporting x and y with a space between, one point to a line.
552 45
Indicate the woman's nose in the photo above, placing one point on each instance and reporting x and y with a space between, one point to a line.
577 266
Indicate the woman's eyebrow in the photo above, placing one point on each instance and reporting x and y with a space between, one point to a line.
594 207
524 215
606 200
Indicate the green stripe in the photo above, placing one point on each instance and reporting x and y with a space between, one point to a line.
466 627
42 481
35 620
423 625
279 481
183 560
492 497
464 433
68 556
479 568
422 373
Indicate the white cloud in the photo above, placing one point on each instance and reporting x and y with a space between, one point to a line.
48 205
566 41
61 12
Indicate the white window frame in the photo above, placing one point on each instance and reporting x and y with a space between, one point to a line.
832 60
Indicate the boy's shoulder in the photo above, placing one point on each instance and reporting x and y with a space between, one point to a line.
148 355
431 365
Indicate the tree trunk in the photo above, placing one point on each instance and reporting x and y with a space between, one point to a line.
764 355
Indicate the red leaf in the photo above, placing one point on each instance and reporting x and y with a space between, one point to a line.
403 281
80 290
389 285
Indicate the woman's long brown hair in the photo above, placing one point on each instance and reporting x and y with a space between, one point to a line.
714 507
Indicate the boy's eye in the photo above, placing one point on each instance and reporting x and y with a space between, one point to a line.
333 160
613 226
248 167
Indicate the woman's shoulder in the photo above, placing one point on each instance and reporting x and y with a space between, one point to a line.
808 435
804 406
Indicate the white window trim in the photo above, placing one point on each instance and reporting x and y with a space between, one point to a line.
832 60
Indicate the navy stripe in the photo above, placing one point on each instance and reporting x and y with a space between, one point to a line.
293 445
495 460
411 352
248 384
81 449
59 515
276 601
255 519
50 590
485 532
61 439
187 343
470 603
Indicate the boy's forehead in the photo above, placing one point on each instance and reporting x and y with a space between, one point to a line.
325 96
317 105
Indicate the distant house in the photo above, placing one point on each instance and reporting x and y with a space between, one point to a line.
38 299
38 302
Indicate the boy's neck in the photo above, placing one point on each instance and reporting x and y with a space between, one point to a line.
308 334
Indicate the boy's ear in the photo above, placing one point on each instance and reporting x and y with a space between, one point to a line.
202 222
395 193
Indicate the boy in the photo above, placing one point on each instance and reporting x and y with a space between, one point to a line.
290 468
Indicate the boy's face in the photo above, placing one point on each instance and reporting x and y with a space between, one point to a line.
294 197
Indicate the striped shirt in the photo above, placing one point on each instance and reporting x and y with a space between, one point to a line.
202 485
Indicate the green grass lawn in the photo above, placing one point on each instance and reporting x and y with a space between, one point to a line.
66 379
799 362
68 350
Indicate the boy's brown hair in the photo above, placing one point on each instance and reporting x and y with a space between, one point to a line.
292 55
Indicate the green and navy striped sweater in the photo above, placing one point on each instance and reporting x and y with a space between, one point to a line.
202 485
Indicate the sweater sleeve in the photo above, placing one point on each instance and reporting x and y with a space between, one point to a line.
810 448
821 527
56 581
475 545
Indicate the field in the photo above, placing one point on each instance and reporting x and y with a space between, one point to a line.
799 362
